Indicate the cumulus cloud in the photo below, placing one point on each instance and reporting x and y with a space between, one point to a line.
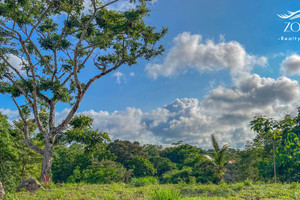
119 76
224 112
291 65
16 62
191 52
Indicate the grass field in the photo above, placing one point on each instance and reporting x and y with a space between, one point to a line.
121 191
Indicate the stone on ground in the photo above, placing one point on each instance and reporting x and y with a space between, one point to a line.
30 185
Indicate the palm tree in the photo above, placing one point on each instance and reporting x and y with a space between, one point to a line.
219 158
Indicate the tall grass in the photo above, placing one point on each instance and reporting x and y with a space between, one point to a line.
165 194
143 181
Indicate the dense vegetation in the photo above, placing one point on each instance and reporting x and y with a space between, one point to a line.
106 162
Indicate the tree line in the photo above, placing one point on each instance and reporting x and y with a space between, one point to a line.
86 155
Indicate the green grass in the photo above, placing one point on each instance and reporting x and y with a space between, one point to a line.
120 191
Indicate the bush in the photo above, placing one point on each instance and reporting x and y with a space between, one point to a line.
66 160
177 176
141 167
165 194
162 165
143 181
248 183
204 172
101 172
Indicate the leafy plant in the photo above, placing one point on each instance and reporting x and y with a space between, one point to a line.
165 194
219 158
143 181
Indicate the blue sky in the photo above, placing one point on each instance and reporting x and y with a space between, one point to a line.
254 25
224 64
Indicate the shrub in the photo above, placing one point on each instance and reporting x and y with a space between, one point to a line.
143 181
101 172
141 167
177 176
248 182
66 160
165 194
204 172
162 165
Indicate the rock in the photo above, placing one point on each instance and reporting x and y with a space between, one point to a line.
30 185
59 185
2 192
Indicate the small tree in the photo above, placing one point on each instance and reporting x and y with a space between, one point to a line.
219 158
53 54
282 139
268 133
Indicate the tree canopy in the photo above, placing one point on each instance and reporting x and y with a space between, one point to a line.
56 42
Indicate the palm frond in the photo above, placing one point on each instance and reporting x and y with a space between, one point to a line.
215 143
224 149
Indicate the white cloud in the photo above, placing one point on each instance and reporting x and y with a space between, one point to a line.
119 76
16 62
190 52
224 112
122 5
291 65
12 114
132 74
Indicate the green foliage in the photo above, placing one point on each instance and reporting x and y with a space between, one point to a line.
153 150
219 157
141 167
180 152
188 192
125 34
204 171
283 138
17 160
247 163
54 53
143 181
165 194
81 131
8 155
248 183
101 172
162 164
177 176
125 151
66 160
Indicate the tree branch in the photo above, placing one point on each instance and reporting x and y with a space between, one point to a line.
38 22
26 131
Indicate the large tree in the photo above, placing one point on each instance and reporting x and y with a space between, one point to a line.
55 43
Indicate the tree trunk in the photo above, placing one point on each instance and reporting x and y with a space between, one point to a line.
274 164
47 162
